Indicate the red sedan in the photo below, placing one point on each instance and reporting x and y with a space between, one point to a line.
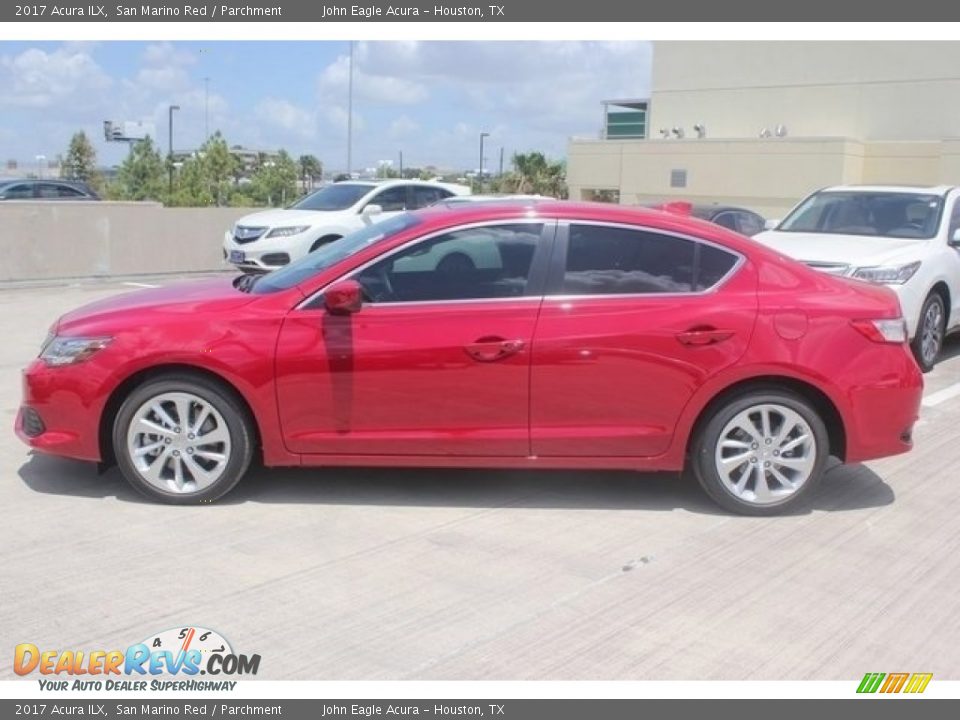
542 335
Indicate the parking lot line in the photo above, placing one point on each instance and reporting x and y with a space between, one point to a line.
941 396
141 285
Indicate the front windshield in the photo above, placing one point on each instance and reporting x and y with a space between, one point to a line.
338 196
332 253
880 214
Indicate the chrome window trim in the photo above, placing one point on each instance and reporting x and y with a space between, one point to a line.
741 260
423 238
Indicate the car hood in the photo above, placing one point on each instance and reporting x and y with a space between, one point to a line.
278 218
852 250
140 307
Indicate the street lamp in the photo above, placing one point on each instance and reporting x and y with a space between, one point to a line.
41 159
482 136
170 141
401 163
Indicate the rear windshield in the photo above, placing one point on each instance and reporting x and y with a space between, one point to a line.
328 255
338 196
878 214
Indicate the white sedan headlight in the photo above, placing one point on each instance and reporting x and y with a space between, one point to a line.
59 351
288 230
889 275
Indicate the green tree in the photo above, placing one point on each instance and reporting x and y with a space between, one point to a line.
80 164
275 182
142 175
218 167
310 170
533 173
192 188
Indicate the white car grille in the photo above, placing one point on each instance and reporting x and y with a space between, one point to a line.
828 267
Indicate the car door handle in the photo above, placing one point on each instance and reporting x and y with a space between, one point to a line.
490 349
699 336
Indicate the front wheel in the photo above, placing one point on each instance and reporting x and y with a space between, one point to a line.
928 341
761 453
182 440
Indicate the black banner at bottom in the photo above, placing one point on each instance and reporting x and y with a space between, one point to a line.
875 708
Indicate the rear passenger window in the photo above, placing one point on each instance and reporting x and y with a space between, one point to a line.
714 264
612 261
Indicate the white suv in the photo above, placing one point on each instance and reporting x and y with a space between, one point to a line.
268 240
907 238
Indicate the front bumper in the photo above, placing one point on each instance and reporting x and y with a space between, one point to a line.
63 405
260 255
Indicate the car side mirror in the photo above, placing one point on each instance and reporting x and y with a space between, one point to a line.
343 298
954 239
372 209
771 224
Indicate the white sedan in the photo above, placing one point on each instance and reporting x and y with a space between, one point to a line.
270 239
907 238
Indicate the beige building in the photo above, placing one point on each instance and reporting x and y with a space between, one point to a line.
761 124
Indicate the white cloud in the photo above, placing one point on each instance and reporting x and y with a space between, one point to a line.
286 116
39 79
373 87
403 127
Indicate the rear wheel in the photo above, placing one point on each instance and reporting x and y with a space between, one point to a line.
761 453
928 341
182 440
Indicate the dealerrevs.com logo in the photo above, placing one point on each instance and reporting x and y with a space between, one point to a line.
170 660
891 683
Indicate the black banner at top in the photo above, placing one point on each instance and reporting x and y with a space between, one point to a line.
534 11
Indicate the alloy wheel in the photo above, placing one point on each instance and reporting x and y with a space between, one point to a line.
178 442
931 332
765 454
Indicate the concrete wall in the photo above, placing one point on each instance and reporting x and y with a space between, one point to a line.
861 90
766 175
45 240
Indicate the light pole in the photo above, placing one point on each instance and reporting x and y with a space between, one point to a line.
350 115
41 159
401 164
482 136
206 107
170 141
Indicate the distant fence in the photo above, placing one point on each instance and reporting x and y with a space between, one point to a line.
43 240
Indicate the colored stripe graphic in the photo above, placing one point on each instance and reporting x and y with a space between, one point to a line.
895 681
918 682
870 682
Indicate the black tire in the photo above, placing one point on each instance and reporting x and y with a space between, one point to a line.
703 450
933 307
325 240
233 414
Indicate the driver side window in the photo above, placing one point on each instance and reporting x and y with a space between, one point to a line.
470 264
392 199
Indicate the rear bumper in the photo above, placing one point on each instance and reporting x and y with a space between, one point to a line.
881 414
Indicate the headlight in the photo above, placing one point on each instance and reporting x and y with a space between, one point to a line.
288 230
70 350
892 275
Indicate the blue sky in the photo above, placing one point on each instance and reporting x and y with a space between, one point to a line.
429 99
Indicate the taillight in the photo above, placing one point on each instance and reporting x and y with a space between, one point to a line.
883 331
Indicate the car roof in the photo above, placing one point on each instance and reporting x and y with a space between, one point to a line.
910 189
54 181
443 214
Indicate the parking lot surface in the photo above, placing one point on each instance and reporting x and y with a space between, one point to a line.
410 574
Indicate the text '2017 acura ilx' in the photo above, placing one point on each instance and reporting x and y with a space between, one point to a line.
540 335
